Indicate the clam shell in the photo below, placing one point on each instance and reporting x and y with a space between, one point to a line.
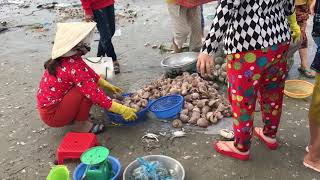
177 123
193 120
205 109
184 111
184 118
195 95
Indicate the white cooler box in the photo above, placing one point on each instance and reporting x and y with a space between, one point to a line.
101 65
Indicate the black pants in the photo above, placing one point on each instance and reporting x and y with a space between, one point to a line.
105 20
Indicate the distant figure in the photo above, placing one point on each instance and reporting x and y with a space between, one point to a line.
185 21
312 159
302 11
102 12
202 20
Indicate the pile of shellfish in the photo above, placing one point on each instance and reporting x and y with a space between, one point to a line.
220 68
203 104
133 100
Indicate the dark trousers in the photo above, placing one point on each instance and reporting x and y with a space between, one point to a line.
202 20
105 20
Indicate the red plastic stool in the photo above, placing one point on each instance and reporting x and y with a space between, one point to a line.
74 144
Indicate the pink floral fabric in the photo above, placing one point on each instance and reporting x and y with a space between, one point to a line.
72 72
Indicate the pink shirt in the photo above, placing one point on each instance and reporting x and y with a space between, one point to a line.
73 72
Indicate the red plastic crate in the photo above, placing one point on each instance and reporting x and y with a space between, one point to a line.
74 144
192 3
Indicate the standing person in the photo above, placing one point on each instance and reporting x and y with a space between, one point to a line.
102 12
69 87
302 11
256 35
202 20
312 159
185 21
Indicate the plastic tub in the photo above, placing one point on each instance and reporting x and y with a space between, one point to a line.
298 89
118 119
116 168
167 107
166 160
59 172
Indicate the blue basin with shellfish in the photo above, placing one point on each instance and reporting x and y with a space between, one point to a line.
168 162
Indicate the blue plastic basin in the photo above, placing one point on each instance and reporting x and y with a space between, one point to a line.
167 107
118 119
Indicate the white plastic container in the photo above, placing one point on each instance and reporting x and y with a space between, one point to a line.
102 66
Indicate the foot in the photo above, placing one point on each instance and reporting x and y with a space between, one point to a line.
271 143
97 128
308 73
311 163
87 126
116 67
308 148
175 47
227 148
81 126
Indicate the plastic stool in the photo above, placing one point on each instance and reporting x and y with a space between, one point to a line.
74 144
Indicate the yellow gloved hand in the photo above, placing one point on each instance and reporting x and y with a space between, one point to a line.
295 28
127 113
104 84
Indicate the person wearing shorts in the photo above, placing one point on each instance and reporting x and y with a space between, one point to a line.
302 11
185 21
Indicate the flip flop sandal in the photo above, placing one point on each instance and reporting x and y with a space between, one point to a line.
311 167
271 146
306 72
227 134
97 128
116 67
231 152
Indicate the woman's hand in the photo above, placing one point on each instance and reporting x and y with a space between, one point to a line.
205 64
129 114
295 28
113 89
88 18
312 7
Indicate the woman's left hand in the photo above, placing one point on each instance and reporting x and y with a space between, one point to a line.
114 89
205 64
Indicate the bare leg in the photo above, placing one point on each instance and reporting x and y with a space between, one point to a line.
181 29
194 21
304 67
304 57
313 157
314 133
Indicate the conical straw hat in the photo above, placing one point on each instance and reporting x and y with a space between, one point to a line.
68 35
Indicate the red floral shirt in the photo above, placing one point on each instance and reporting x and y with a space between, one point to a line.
73 72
